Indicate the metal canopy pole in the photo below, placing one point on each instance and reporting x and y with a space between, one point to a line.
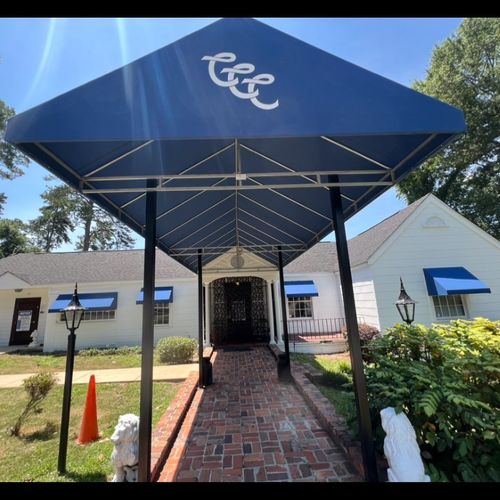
147 340
358 376
283 308
200 320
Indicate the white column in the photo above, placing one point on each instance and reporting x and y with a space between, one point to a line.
277 307
207 314
270 312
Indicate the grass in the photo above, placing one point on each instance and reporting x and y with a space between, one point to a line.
29 362
25 362
335 383
33 456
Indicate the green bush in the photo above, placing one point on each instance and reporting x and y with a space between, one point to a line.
109 351
447 380
37 386
366 334
175 350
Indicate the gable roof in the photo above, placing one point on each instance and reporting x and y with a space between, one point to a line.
323 256
89 267
127 265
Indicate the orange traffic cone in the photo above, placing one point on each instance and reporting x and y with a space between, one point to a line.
88 430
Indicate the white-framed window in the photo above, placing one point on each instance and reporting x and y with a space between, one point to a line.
300 307
162 314
449 306
94 315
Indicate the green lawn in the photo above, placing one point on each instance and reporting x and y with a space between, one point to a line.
33 456
32 363
336 372
29 362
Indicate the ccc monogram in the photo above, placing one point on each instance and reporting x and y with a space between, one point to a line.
232 80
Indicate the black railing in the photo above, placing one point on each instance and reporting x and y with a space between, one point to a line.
310 329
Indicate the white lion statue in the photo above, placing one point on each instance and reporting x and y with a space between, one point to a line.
401 449
126 451
34 339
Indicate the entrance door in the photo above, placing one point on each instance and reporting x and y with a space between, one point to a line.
239 302
25 320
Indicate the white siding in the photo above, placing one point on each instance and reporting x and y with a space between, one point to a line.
327 304
7 303
126 328
414 247
364 296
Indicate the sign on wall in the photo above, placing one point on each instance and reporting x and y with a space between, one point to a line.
23 321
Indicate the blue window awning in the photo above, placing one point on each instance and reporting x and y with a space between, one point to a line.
300 289
163 295
452 281
92 301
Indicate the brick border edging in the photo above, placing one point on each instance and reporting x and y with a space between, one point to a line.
166 430
333 423
168 473
171 468
324 410
275 350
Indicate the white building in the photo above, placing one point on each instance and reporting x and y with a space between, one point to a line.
461 280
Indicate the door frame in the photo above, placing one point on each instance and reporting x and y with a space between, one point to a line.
34 322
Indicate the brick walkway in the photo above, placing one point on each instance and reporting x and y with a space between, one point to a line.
252 428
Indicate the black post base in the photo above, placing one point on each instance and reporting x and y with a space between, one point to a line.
206 372
284 372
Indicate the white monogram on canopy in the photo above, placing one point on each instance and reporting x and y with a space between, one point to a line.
232 80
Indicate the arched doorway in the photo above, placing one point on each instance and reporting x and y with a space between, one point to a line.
239 310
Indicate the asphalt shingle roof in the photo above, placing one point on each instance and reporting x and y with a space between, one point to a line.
322 257
127 265
89 267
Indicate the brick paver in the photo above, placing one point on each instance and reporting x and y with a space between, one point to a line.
250 427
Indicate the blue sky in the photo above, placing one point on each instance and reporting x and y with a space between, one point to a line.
42 58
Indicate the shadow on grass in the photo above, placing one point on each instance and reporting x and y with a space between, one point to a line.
37 353
48 432
335 384
87 477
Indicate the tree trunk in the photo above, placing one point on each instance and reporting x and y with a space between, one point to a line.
86 234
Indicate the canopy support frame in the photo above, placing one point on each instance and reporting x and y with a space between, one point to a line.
351 318
146 400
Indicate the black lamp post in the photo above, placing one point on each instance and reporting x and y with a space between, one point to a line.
73 315
405 305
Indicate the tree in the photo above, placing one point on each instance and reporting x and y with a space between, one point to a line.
465 72
101 231
12 161
65 209
53 226
3 198
14 238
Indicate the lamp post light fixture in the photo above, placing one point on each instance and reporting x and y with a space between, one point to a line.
405 305
73 314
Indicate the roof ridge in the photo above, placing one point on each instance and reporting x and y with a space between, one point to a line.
411 205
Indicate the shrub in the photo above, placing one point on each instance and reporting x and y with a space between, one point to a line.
109 351
447 380
175 350
366 334
37 386
337 380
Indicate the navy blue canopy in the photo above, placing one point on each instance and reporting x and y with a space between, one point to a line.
452 281
241 129
300 289
91 301
163 295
